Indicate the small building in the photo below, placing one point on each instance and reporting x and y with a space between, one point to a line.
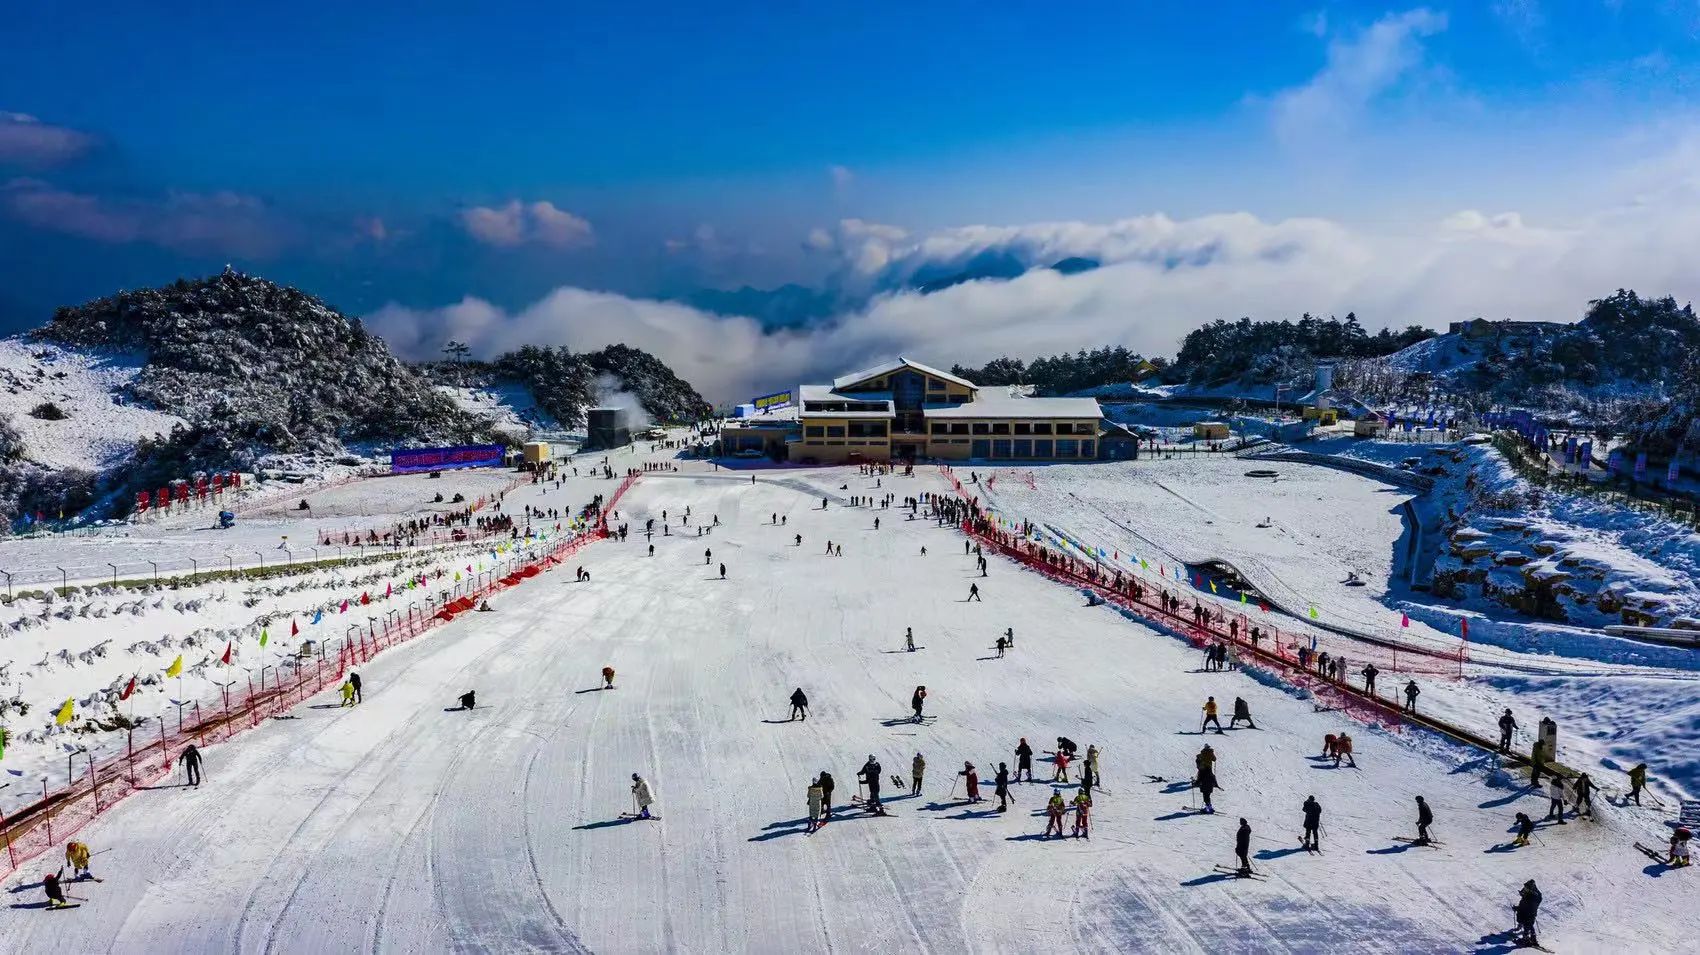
607 428
536 453
1117 442
1210 431
1370 425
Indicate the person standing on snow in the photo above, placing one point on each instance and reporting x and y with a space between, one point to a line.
1637 782
1343 750
909 639
1242 846
1023 760
973 593
870 776
1525 828
1527 908
973 777
347 691
1411 692
354 678
815 797
641 796
917 768
1092 767
827 784
1210 716
1054 809
1584 791
1312 838
1555 793
1425 818
1242 711
1060 759
191 760
1369 672
799 705
722 571
707 556
1001 787
1082 815
1507 724
607 678
917 701
999 647
77 857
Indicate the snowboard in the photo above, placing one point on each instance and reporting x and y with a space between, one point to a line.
634 816
1238 874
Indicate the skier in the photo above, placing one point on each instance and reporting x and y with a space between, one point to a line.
973 593
1343 750
909 639
870 775
973 777
1082 814
918 700
707 556
55 894
607 679
1242 847
642 796
827 784
1584 790
1066 745
815 797
1528 906
191 759
917 769
1637 782
77 857
1677 856
1369 678
347 691
1555 795
799 705
1023 760
1507 723
1210 716
1001 787
1206 783
1089 776
354 678
1411 692
1425 818
1054 809
722 571
1525 828
1313 824
652 550
1060 759
799 540
1242 711
469 700
1009 637
999 647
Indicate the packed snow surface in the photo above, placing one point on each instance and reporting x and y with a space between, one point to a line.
400 826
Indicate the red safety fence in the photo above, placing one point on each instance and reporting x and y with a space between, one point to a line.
151 753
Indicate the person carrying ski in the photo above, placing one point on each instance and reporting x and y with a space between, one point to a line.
1425 818
917 701
799 705
973 777
1525 828
1242 711
1313 823
191 760
1210 716
1411 692
77 857
55 892
1507 724
870 776
815 797
1082 815
827 784
917 768
1054 809
354 679
1000 787
1023 760
1242 846
347 690
1555 797
1527 908
1637 782
607 678
641 796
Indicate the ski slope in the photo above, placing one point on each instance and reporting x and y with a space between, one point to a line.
397 826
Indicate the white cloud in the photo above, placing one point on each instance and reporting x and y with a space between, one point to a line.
1359 69
523 223
218 222
27 141
1162 277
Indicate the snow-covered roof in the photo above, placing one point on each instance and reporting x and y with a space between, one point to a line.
830 393
887 368
1008 406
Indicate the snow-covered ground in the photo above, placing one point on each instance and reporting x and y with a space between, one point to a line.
99 429
399 826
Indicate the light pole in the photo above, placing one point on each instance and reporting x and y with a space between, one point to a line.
114 572
155 564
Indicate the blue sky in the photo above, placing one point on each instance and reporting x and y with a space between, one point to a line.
418 154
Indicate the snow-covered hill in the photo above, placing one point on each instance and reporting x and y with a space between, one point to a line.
69 407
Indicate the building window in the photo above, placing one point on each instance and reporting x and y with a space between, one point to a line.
1023 427
1042 427
867 429
981 427
1086 450
1023 447
1067 447
1000 448
1000 427
835 431
933 384
1042 449
958 429
982 449
1084 427
940 427
814 431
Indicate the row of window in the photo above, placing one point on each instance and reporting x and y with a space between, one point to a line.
857 429
1032 448
1020 427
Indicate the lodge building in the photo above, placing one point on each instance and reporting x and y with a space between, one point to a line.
903 410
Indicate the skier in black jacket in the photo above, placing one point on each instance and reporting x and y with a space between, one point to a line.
1528 906
1242 846
1425 818
826 785
799 704
1242 711
1507 723
870 776
1023 760
1313 822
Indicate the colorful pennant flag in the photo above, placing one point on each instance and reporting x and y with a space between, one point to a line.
226 658
176 667
66 713
265 637
1313 611
1404 619
129 688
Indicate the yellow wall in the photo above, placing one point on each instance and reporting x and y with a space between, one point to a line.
825 449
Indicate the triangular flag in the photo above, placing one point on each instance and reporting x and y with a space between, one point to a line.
226 658
1464 624
365 599
388 590
1313 612
176 667
317 616
1242 596
344 607
129 688
66 713
294 628
1213 586
265 637
457 576
1404 619
1143 565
